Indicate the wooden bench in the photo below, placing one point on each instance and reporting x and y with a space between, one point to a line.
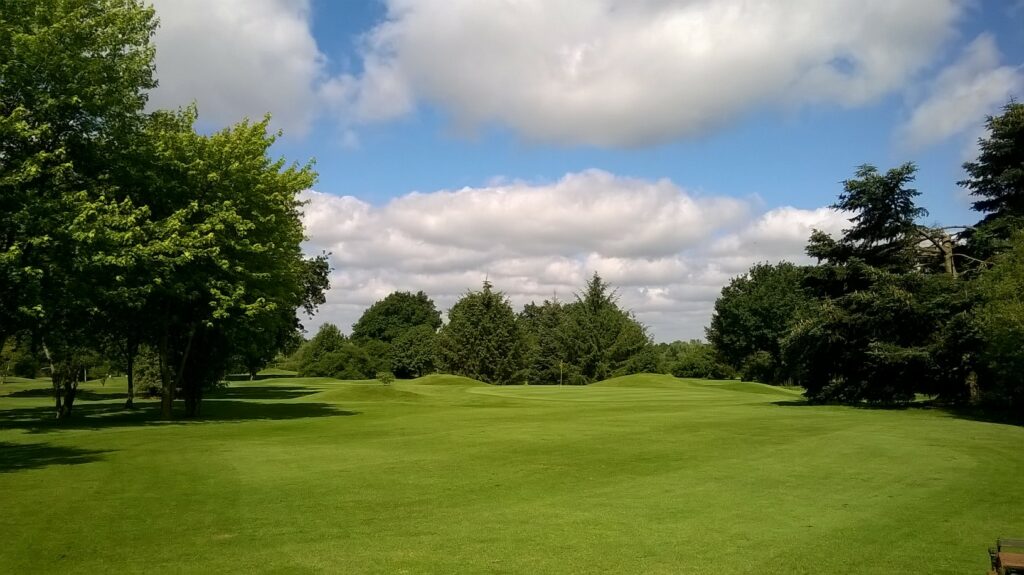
1007 556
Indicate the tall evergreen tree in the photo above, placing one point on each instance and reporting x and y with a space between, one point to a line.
482 339
996 178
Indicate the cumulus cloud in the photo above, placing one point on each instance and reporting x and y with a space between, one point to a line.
239 58
961 95
635 72
668 250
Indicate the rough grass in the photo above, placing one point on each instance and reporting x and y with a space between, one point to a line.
645 474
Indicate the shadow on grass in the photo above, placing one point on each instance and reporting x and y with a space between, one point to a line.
260 392
957 412
81 395
22 456
259 377
103 416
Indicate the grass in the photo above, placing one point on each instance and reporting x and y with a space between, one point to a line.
644 474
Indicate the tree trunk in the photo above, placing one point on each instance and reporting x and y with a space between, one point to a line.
55 382
130 361
70 390
166 384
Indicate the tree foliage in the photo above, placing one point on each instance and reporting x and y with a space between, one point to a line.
121 227
482 339
1000 321
392 316
753 314
996 178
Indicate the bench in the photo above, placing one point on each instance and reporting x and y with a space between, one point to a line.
1007 556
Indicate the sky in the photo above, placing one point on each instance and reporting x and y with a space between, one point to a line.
667 145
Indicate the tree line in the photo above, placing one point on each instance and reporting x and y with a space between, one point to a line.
894 308
125 231
572 343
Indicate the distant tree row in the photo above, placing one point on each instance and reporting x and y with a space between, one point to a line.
123 230
575 343
894 308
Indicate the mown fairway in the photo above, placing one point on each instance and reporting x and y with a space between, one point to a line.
646 474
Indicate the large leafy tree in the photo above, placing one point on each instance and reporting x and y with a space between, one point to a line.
753 314
482 339
224 249
413 352
73 79
390 317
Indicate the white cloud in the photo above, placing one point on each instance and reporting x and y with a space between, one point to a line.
634 72
668 251
239 58
961 95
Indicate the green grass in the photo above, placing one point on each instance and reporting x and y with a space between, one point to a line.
645 474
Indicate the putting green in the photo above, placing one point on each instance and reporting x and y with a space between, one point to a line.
644 474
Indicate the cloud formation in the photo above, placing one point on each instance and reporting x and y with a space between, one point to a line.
668 251
635 72
239 58
960 97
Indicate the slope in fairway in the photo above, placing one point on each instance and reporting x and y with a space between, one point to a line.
645 474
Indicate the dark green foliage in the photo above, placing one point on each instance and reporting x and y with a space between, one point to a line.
1000 321
545 358
392 316
482 339
996 177
694 359
350 361
879 329
147 373
414 351
760 366
752 316
881 344
328 339
600 339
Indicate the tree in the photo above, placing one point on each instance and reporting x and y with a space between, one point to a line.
392 316
1000 320
693 358
545 357
884 232
413 352
599 339
877 328
328 339
996 177
73 81
753 314
482 339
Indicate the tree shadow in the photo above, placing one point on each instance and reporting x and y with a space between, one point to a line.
80 395
260 392
259 376
1004 417
104 416
22 456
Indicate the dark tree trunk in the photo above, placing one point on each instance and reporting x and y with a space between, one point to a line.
130 361
166 383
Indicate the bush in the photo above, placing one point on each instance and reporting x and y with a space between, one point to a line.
385 377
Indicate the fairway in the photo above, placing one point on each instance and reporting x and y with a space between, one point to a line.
642 474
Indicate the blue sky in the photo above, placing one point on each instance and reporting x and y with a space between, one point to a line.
666 144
